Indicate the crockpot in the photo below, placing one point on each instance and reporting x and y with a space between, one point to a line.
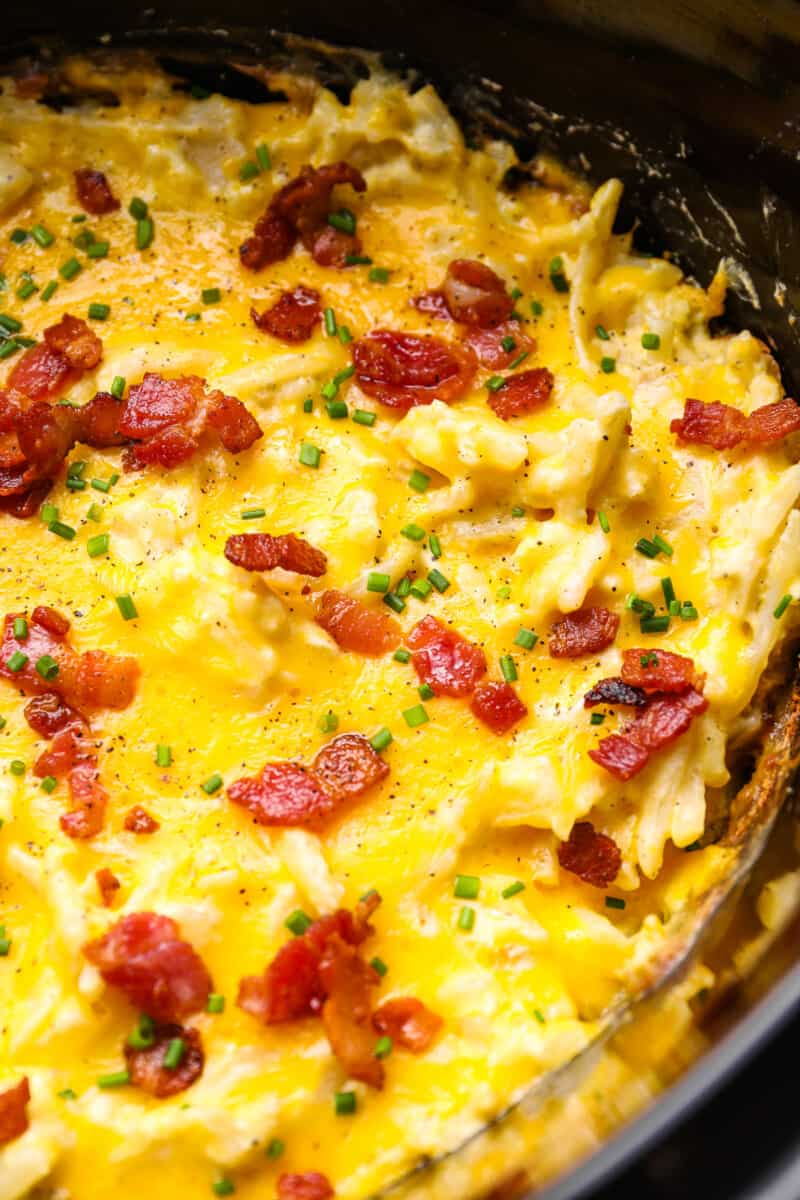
695 106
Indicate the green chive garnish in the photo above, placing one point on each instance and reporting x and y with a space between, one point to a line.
330 322
663 546
508 668
394 602
49 290
526 638
211 295
513 889
669 591
602 333
10 324
383 1047
144 233
377 581
69 269
466 918
163 755
309 455
298 922
224 1186
379 965
402 655
114 1080
418 480
421 589
647 548
415 716
336 409
329 722
174 1053
378 275
608 365
118 386
380 740
467 887
783 604
212 784
263 157
651 341
362 417
275 1148
435 546
597 718
494 383
26 290
49 784
603 522
248 171
439 581
425 691
20 629
97 545
47 667
16 766
215 1003
99 312
127 608
252 514
343 220
654 624
414 533
508 343
137 208
98 249
344 1104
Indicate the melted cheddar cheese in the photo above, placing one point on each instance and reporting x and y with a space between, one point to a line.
235 671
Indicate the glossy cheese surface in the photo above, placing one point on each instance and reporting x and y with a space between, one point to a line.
235 671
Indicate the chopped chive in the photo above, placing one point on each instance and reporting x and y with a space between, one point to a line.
603 522
127 607
114 1079
663 545
18 236
636 604
70 268
692 847
329 390
84 239
163 755
61 530
418 480
78 219
94 512
27 343
309 455
263 157
519 360
377 581
49 290
439 581
138 208
193 316
357 260
98 249
383 1047
20 629
558 279
378 275
275 1148
540 1017
404 587
97 545
224 1186
467 887
494 383
526 638
328 722
252 514
597 718
308 405
504 592
8 348
101 485
16 766
466 918
674 607
336 409
49 784
654 624
647 548
76 485
688 611
212 784
343 220
614 902
402 655
415 716
211 295
516 293
99 312
379 965
174 1054
144 1034
76 468
651 341
47 667
668 590
330 322
435 546
10 324
345 1104
421 589
68 1094
380 740
602 333
298 922
425 691
537 308
508 668
508 343
394 602
3 723
26 290
518 511
513 889
248 170
144 233
608 365
783 604
414 533
362 417
345 335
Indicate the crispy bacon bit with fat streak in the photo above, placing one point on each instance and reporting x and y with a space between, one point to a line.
355 626
14 1111
487 344
404 370
145 957
299 210
471 293
614 691
444 659
47 714
94 193
586 631
593 857
49 368
138 820
288 793
723 427
662 720
408 1022
660 671
346 1012
263 552
146 1066
498 706
311 1185
292 318
522 393
107 885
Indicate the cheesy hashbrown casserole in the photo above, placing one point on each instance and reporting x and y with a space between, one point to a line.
390 560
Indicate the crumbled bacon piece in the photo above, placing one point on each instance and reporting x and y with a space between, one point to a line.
586 631
13 1111
51 620
94 193
233 424
97 423
593 857
300 210
294 316
47 715
663 719
475 294
498 706
355 626
444 659
156 403
522 393
487 344
347 767
723 427
408 1023
618 755
25 503
263 552
660 671
169 449
283 793
88 802
403 370
66 750
79 344
308 1186
146 1066
347 981
107 885
433 304
46 370
138 820
614 691
144 956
